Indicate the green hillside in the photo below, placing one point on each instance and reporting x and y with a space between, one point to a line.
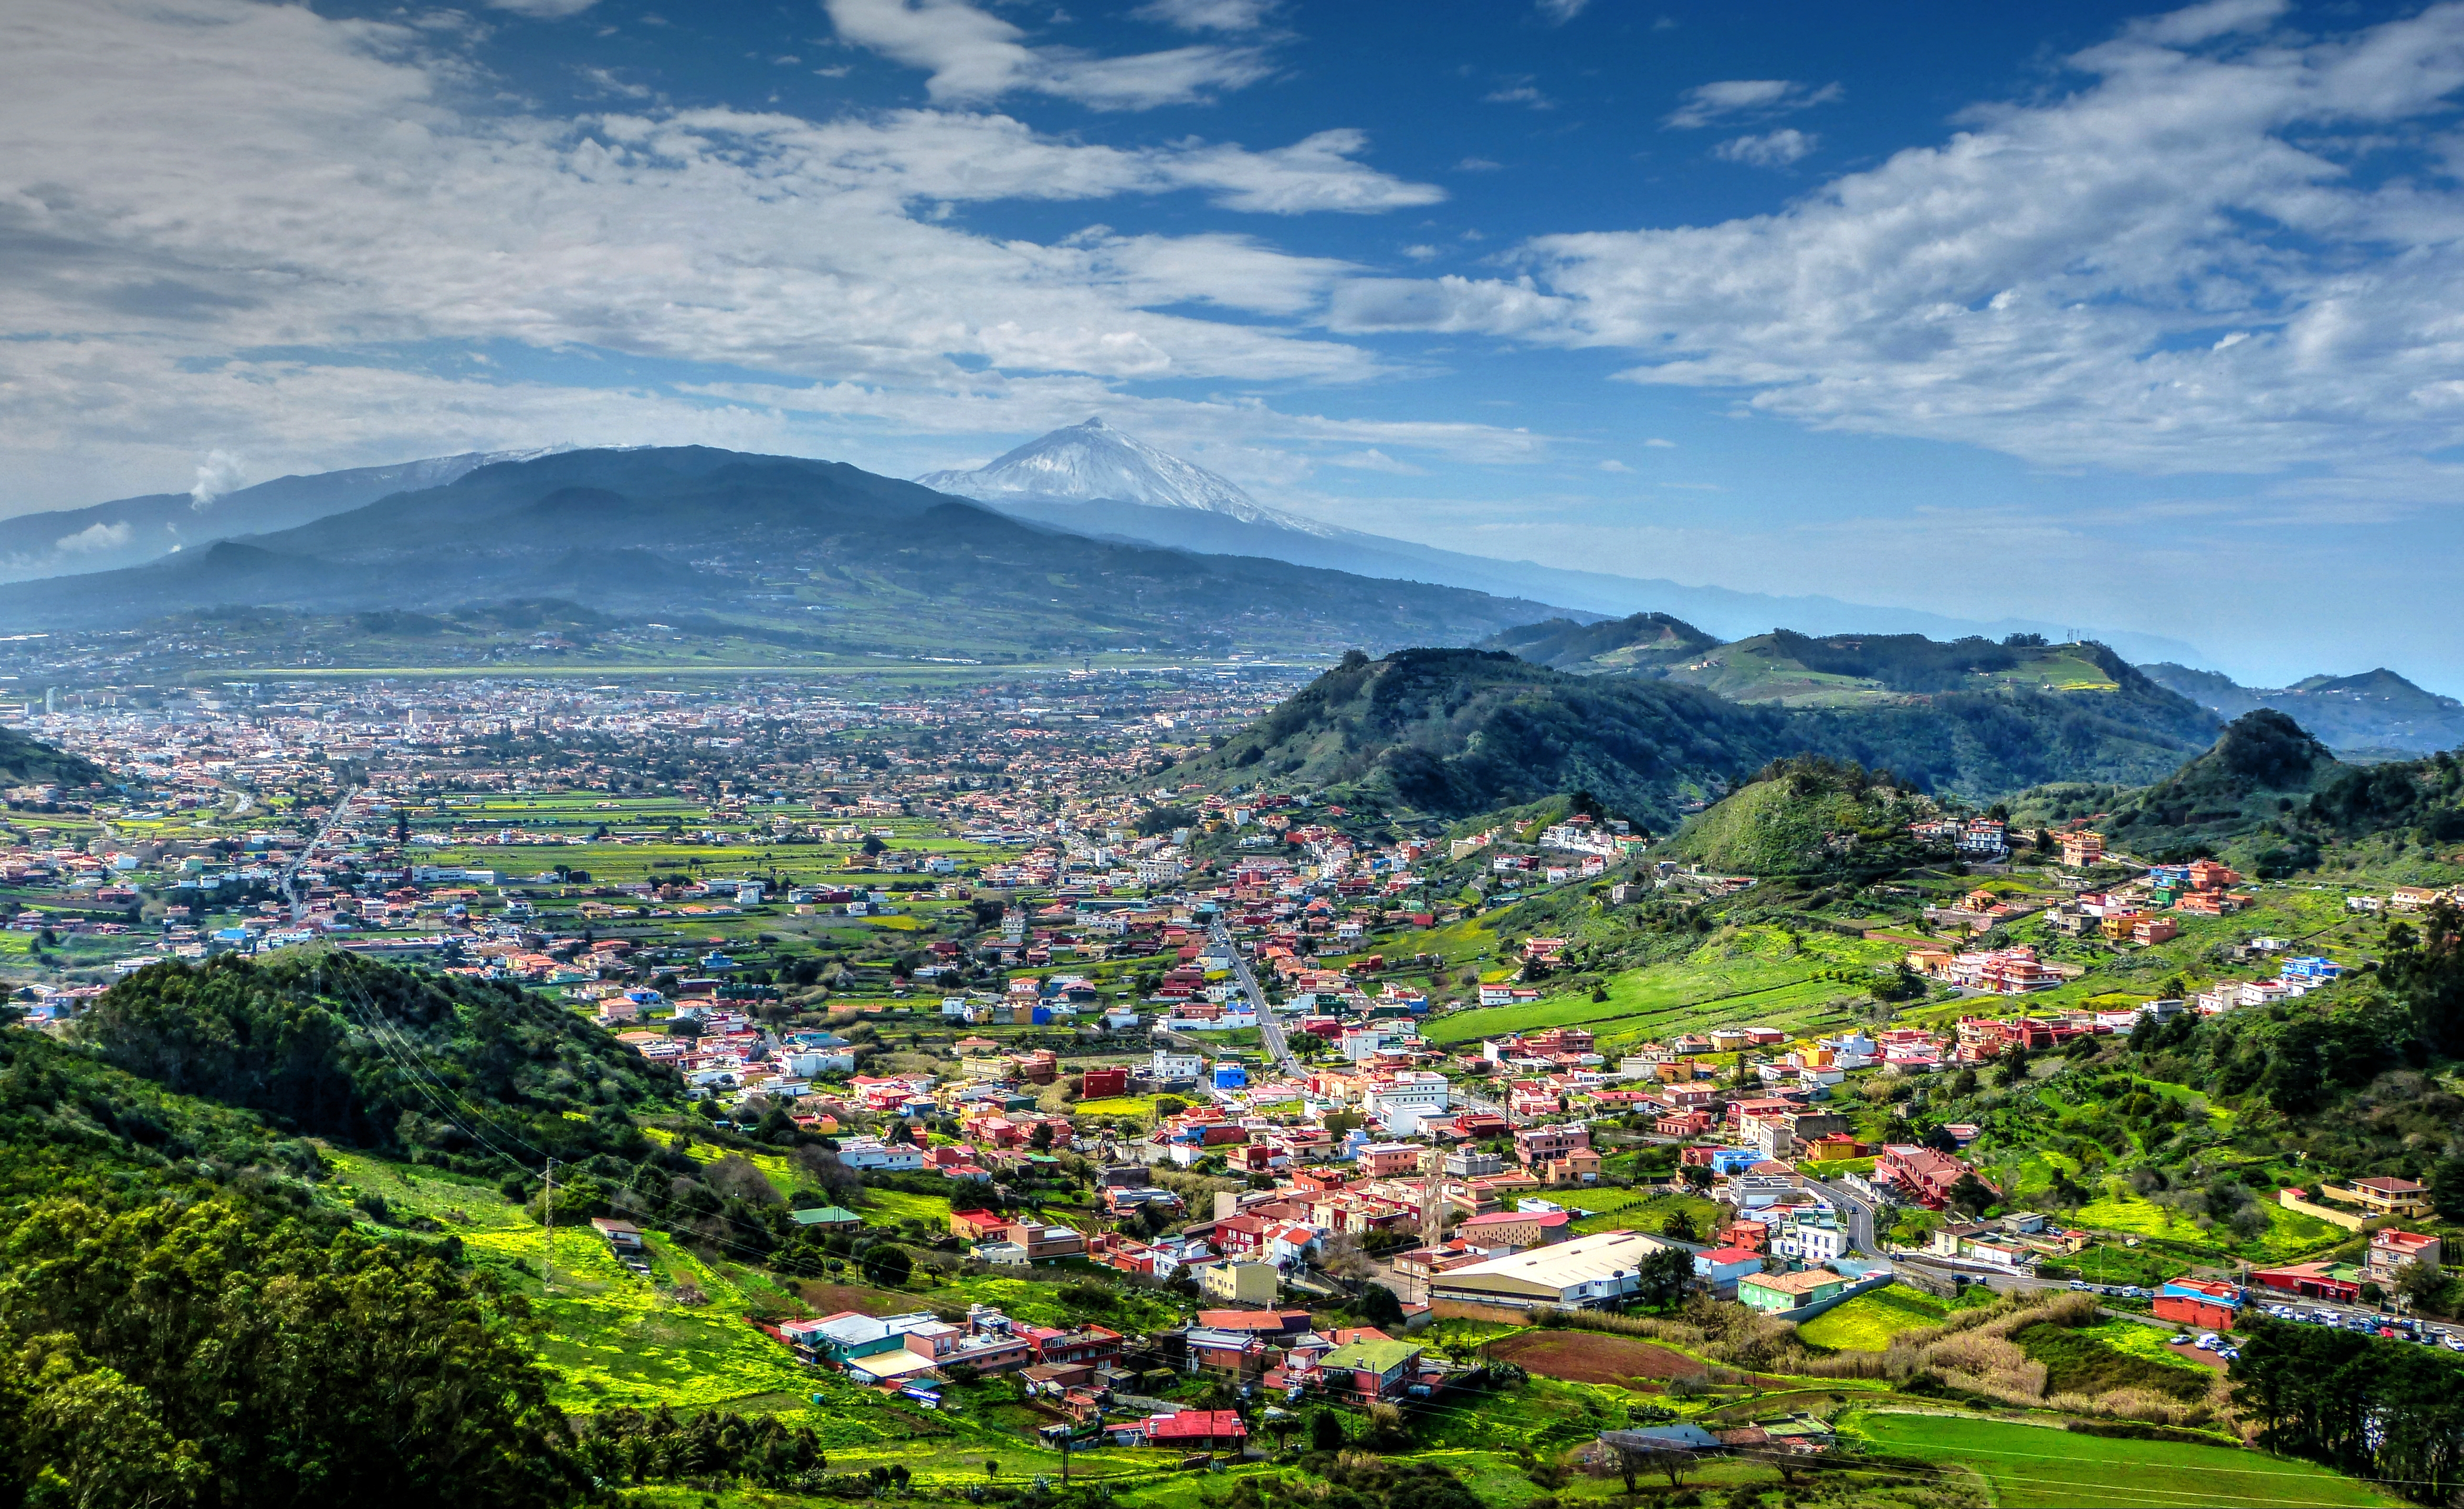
2270 797
1850 669
1460 731
1463 732
1629 644
1805 817
29 761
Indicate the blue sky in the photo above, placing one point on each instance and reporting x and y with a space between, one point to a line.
2112 315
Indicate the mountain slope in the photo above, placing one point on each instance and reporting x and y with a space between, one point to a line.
130 530
1094 480
2251 779
1637 642
1806 817
29 761
2271 798
1095 463
770 539
2376 712
1461 731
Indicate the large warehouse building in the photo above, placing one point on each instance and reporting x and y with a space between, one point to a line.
1587 1273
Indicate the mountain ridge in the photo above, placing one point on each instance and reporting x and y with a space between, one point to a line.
132 531
2376 712
1459 732
1093 479
695 529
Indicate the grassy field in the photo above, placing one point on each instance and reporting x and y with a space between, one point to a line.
1756 975
1867 1322
2024 1466
1638 1210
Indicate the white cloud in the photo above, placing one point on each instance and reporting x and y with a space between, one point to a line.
544 10
1615 466
217 475
1315 173
2054 280
2201 23
1657 444
1771 149
185 179
1477 165
1421 252
1208 15
975 57
1558 13
1519 92
1376 460
1746 99
93 537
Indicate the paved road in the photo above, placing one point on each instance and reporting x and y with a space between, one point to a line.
1860 1214
291 871
1269 1030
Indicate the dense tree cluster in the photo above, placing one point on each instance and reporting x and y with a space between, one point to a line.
180 1325
335 1046
2380 1409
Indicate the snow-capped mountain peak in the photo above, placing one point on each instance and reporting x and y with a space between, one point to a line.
1093 462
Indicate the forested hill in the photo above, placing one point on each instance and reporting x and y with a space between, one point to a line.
1467 730
2270 797
29 761
1460 731
183 1320
1641 641
191 1316
328 1045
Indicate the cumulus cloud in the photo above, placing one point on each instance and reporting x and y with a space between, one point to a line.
973 57
1771 149
2056 281
1745 98
93 537
1616 466
217 475
379 200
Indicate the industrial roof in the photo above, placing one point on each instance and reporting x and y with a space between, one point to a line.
1586 1260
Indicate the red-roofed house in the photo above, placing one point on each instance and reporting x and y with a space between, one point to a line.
978 1225
2392 1250
1198 1430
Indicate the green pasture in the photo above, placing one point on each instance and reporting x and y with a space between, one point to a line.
2031 1467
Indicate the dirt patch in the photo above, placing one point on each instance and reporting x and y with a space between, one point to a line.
830 1298
1594 1357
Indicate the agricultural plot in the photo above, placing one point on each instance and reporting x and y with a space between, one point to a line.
2029 1467
1867 1322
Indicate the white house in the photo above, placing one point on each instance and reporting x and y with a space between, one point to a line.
865 1154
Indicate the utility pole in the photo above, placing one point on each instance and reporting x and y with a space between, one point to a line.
547 1258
